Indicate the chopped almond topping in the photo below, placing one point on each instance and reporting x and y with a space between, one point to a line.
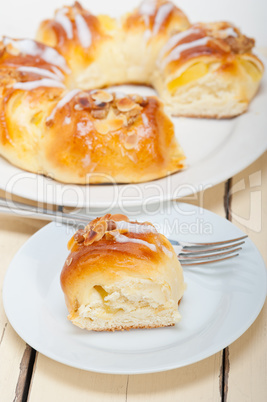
241 44
104 127
99 114
125 104
12 50
119 217
96 229
101 227
142 101
222 45
131 141
84 101
91 238
79 236
78 107
102 96
96 233
111 225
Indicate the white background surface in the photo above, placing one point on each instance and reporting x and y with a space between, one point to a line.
20 18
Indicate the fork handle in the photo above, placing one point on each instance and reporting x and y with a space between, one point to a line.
28 211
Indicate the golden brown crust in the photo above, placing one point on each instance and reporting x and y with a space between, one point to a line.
102 249
126 276
121 137
127 328
64 40
80 136
210 116
214 40
149 13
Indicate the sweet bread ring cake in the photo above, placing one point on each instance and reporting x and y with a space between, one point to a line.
103 51
121 275
201 70
56 119
77 136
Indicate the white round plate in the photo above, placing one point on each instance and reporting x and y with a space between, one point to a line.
219 305
215 150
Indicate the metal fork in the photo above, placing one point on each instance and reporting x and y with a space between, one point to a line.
207 253
188 253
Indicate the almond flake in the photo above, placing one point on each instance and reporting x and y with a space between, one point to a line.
131 141
125 104
104 127
99 114
102 96
111 225
119 217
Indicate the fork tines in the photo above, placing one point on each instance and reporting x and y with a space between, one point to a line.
206 253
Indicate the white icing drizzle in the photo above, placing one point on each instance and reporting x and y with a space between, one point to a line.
145 120
120 95
40 71
84 33
161 16
176 52
124 239
229 32
135 227
32 48
57 72
44 82
64 21
66 99
175 39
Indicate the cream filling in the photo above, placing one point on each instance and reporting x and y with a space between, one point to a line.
140 303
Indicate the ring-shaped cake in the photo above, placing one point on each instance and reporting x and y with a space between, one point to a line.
55 120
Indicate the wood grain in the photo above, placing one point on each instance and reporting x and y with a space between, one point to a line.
13 350
248 355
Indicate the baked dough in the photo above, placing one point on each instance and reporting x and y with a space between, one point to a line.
208 70
103 51
201 70
51 121
121 275
77 136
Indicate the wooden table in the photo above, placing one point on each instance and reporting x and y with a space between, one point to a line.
238 373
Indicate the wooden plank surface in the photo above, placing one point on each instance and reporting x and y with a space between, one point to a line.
52 381
248 355
13 351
